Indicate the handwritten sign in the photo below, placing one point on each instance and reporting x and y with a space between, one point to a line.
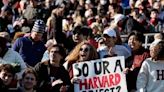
102 75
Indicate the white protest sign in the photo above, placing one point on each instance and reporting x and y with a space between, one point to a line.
102 75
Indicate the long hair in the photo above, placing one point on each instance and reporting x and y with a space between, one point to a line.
73 56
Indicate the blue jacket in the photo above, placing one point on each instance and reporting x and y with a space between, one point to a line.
30 51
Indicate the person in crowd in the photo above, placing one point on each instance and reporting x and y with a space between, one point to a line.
150 77
52 75
102 48
7 75
84 51
31 48
80 34
6 15
159 36
29 81
133 63
157 5
31 11
54 25
9 56
113 9
8 38
48 45
157 25
112 49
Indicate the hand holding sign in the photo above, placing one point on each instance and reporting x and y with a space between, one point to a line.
126 70
75 80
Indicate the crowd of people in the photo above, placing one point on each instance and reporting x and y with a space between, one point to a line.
40 40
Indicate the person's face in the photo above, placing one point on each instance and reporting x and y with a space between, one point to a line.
48 3
109 41
36 36
101 42
77 37
95 30
6 77
54 54
110 9
84 52
153 14
154 50
81 2
29 81
134 43
156 5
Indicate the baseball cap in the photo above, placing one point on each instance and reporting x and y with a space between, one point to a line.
118 17
110 32
39 26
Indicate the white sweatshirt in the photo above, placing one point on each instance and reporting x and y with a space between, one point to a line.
151 76
12 57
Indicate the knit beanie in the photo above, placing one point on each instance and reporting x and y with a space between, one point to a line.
39 26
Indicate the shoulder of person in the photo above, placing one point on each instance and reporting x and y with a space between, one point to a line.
120 47
46 63
147 60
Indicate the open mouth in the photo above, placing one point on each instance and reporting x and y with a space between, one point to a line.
132 45
83 55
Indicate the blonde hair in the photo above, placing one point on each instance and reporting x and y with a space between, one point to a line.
158 36
74 54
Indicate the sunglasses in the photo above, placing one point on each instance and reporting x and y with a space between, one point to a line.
84 49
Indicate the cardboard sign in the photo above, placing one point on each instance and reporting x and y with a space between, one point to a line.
102 75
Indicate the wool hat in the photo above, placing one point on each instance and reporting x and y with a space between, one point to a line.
39 26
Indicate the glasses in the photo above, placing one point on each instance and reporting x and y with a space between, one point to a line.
84 49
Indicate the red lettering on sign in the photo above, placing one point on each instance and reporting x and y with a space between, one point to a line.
105 81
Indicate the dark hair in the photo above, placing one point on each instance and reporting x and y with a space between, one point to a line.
29 71
62 51
84 30
77 30
7 67
154 10
140 37
3 42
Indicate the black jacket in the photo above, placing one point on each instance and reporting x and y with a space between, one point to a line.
46 73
